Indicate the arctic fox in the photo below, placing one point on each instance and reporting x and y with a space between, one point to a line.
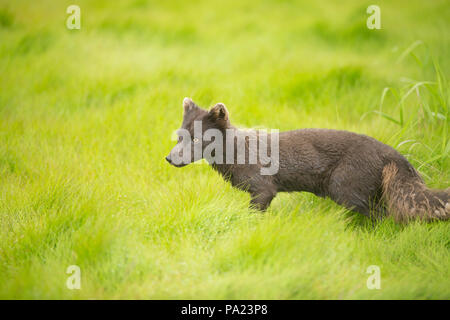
354 170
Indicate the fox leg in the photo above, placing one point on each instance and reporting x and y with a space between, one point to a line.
261 199
354 187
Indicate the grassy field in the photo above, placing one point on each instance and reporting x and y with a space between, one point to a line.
87 117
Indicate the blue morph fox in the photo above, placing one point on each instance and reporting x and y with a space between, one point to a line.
354 170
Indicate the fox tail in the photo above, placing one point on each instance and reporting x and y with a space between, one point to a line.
407 197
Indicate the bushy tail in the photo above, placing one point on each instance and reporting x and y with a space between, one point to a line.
407 197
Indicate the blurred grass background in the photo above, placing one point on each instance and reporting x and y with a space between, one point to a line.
87 116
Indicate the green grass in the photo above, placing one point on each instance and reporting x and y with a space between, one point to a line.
87 116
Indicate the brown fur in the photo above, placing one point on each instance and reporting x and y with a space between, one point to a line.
353 170
407 197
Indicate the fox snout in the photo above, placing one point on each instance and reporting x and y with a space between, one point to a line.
178 165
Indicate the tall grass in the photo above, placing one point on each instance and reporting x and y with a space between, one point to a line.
86 118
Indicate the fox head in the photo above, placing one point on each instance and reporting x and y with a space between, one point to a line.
192 139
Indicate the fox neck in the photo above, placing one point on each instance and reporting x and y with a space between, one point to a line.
226 169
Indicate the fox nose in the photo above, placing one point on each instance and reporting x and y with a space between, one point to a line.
168 159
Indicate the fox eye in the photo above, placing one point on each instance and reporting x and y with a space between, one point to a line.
195 140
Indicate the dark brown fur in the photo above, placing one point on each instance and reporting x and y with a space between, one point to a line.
354 170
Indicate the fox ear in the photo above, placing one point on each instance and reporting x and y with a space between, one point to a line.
219 112
188 104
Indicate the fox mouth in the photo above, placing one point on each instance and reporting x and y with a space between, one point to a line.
178 165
